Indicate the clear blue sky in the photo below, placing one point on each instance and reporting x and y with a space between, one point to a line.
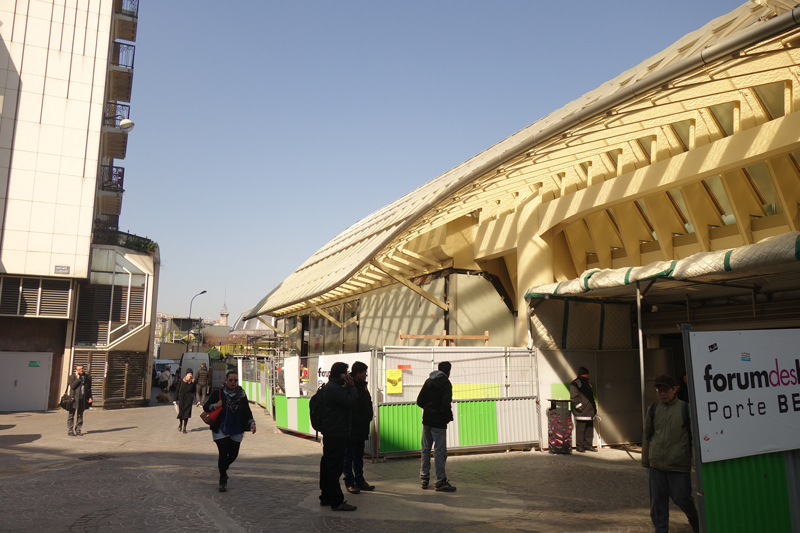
266 128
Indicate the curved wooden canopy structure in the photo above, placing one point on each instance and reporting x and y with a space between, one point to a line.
691 150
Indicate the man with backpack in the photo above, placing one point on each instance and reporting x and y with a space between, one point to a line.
435 399
667 454
339 398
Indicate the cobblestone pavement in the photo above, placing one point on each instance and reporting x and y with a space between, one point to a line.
133 471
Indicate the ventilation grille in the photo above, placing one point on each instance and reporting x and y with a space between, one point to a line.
126 375
102 308
35 297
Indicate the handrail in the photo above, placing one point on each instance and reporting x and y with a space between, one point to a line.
112 178
129 8
123 55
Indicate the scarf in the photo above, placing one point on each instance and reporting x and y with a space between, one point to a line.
232 398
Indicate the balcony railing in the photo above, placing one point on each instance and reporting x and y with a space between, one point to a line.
112 178
114 113
128 8
123 55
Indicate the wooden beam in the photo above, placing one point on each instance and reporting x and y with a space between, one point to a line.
428 296
325 314
270 326
418 257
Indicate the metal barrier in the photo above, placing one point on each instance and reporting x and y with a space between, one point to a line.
496 402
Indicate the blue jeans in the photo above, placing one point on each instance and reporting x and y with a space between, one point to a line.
436 438
354 463
676 485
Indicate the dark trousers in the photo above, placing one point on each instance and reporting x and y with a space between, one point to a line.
354 462
676 485
330 469
228 452
201 393
584 433
75 416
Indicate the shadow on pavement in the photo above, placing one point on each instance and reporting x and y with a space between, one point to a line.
7 426
109 430
14 440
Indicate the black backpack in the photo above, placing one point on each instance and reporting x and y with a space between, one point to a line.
315 408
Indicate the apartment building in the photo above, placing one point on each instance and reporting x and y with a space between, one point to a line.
73 289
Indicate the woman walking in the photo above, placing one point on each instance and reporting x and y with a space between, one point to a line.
231 424
184 399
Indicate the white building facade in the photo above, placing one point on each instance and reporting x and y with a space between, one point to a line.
73 290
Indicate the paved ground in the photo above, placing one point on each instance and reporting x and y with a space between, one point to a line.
133 471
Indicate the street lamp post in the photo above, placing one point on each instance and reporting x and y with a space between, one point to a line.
189 333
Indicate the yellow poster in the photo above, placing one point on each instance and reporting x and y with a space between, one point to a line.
394 381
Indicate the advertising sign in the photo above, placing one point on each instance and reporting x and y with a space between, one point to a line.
394 381
326 362
291 376
747 385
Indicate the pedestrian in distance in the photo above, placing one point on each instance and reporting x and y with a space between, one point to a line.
202 379
667 455
436 399
163 380
583 407
234 419
339 399
361 418
184 399
80 390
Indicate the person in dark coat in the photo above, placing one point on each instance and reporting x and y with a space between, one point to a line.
435 399
80 389
203 380
361 417
184 399
683 389
233 421
584 409
339 398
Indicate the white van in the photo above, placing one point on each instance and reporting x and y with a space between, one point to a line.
193 360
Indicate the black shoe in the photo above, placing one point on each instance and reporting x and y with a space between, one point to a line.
353 490
425 483
223 485
580 450
344 506
324 503
70 433
184 430
365 486
78 434
591 449
445 486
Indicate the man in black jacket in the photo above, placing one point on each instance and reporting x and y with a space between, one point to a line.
80 389
435 399
339 399
361 419
584 409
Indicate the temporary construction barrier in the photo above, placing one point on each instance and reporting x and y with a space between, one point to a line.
495 397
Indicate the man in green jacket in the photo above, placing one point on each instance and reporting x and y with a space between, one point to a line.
667 454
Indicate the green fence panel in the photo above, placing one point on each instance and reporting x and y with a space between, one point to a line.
400 427
303 422
477 423
281 412
747 494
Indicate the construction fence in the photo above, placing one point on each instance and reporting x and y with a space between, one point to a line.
495 395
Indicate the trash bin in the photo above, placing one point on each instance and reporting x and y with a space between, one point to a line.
559 427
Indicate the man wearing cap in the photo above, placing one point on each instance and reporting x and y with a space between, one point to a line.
667 454
584 409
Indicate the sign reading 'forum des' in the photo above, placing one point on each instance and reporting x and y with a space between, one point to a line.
747 385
